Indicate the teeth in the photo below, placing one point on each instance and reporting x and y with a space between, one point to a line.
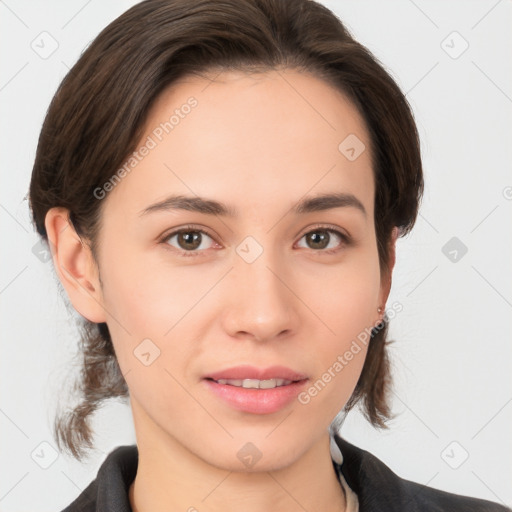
255 383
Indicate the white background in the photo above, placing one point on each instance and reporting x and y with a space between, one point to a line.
452 357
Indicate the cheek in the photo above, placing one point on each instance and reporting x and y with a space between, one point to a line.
153 301
340 356
346 296
149 296
346 303
150 330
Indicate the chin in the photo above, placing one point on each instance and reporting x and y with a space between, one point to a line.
255 451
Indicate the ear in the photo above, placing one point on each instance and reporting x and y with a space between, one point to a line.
75 265
387 276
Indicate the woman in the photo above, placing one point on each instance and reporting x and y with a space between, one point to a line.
230 246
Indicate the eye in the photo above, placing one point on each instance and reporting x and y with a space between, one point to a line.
192 241
189 240
325 239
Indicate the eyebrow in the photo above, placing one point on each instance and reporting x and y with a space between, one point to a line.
212 207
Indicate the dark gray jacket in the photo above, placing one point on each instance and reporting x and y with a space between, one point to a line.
377 487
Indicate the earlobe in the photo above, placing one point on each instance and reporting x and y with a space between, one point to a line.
75 265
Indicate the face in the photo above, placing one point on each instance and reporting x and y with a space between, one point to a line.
191 291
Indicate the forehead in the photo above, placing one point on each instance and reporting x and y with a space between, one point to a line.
251 140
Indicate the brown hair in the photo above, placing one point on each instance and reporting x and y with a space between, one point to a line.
98 114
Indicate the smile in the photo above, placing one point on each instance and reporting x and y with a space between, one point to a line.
255 383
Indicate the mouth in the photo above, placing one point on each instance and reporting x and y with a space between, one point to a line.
237 375
255 391
254 383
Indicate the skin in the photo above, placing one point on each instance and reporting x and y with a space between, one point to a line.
259 143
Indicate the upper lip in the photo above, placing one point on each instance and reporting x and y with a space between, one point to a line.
251 372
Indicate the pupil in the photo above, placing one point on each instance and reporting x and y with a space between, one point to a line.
190 239
319 239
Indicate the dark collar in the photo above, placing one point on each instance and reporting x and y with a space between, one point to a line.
377 487
109 490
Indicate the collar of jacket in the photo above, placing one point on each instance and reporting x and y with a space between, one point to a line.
377 487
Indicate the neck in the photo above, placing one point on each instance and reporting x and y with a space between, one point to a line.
170 477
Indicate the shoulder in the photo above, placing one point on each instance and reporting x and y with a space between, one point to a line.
109 490
380 489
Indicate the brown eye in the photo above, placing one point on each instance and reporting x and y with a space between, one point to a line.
323 239
189 240
318 239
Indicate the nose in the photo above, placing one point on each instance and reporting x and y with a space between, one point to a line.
261 304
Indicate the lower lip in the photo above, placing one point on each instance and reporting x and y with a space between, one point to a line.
257 401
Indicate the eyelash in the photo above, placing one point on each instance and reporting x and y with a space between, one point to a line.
346 240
